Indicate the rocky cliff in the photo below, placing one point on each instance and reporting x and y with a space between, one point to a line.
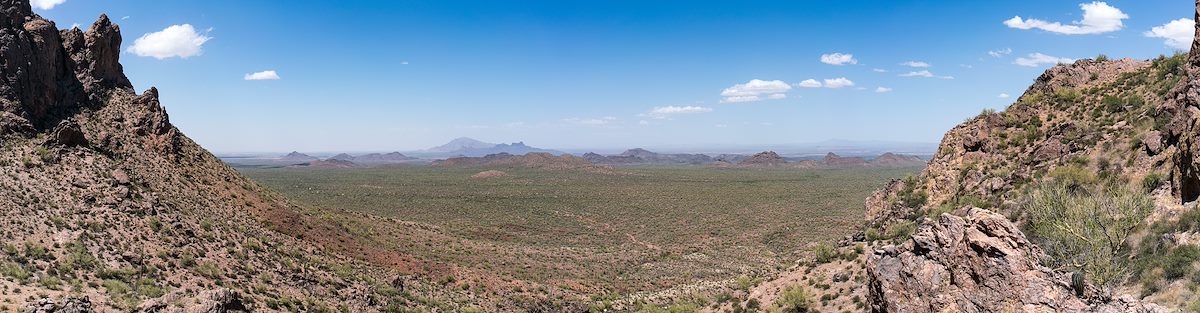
108 207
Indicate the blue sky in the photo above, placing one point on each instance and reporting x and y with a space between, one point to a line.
403 75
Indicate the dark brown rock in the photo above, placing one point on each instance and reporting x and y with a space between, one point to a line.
68 133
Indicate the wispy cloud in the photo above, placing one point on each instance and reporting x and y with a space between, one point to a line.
264 75
1003 96
677 110
1178 33
915 64
1098 18
925 73
839 82
601 121
1038 59
838 59
883 89
1000 53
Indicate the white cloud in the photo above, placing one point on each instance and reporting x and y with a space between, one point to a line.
667 110
1178 33
1003 96
915 64
1000 53
838 59
174 41
810 83
46 4
123 17
838 82
754 90
591 121
1098 18
924 73
1037 59
883 89
264 75
643 122
879 70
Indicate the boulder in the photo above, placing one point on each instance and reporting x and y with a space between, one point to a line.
977 263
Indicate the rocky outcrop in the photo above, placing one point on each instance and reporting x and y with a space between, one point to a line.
66 305
49 74
977 263
833 160
766 158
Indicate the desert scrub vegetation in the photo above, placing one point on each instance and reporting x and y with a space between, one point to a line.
1084 224
544 219
794 299
1160 262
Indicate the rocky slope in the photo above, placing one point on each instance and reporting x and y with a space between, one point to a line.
108 207
1089 183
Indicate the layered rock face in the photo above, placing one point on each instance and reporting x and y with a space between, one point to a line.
977 263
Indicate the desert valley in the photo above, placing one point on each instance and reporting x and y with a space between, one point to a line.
1079 195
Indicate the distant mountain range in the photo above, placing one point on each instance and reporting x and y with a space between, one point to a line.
469 147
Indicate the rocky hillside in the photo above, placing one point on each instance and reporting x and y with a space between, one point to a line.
1078 197
108 207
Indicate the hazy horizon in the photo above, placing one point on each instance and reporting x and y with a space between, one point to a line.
569 75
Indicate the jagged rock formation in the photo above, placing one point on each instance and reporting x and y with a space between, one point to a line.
108 207
977 263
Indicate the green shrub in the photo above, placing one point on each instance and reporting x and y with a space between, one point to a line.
902 230
1152 181
825 253
1178 263
1086 229
795 299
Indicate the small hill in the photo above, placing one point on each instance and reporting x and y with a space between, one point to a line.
473 148
342 156
297 157
537 160
643 156
390 157
833 160
328 163
896 160
461 144
767 158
